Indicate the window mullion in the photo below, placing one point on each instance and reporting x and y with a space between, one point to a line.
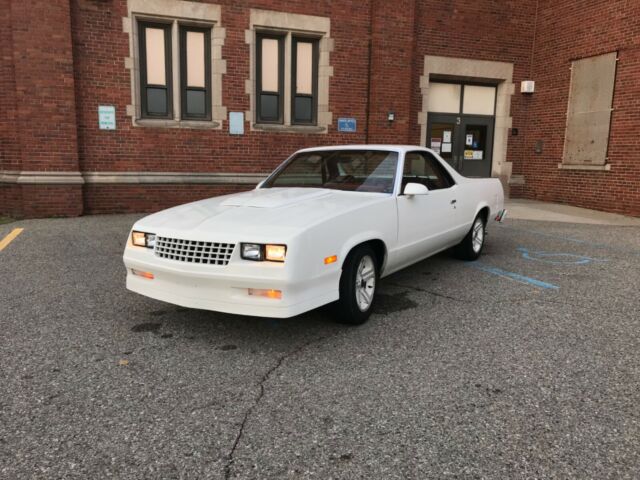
175 69
288 52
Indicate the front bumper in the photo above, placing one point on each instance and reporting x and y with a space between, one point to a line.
225 288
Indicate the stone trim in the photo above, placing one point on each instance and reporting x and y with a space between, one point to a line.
185 12
173 178
79 178
269 20
462 68
41 178
568 166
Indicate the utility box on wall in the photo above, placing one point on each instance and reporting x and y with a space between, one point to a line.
527 86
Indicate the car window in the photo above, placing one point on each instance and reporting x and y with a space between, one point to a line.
354 170
424 168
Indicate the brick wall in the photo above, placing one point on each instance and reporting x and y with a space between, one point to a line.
55 74
567 31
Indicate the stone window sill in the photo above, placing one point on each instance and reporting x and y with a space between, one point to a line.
596 168
269 127
159 123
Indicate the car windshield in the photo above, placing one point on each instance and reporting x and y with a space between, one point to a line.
352 170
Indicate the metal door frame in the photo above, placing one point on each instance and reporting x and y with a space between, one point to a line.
460 120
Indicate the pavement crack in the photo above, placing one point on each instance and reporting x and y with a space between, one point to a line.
267 375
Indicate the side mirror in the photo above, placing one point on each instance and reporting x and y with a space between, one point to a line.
415 189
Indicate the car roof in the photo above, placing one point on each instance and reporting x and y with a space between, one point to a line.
390 147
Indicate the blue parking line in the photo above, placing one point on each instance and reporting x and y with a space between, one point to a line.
514 276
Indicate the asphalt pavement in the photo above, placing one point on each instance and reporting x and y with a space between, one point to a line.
525 364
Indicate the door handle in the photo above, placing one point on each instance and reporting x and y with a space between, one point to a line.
453 202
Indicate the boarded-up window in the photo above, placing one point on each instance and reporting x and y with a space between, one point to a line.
589 110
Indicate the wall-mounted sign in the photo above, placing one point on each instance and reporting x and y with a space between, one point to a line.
236 123
347 125
107 117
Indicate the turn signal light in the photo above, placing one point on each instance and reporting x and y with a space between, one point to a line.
267 293
331 259
140 273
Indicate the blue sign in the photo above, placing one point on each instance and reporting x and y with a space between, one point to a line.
236 123
107 117
347 125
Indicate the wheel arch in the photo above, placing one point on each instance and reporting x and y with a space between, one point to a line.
379 247
483 211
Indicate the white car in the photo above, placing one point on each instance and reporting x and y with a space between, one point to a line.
324 227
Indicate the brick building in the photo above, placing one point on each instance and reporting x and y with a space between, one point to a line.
136 105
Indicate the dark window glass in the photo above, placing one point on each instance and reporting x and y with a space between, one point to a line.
423 168
304 80
196 103
156 101
303 107
269 107
155 69
269 78
195 73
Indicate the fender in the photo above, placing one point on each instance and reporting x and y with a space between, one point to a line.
363 237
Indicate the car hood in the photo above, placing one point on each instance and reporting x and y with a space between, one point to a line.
257 214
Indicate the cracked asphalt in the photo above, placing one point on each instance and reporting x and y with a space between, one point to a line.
462 372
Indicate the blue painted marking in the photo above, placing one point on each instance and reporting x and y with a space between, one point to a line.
557 258
514 276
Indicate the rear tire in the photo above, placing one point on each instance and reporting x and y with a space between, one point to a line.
358 285
471 246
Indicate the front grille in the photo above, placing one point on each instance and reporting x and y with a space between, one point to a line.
192 251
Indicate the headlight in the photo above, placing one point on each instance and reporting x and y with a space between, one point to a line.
259 252
252 251
143 239
275 253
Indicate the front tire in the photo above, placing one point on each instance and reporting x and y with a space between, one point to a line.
471 246
358 285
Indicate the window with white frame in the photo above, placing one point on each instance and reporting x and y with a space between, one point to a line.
289 84
176 63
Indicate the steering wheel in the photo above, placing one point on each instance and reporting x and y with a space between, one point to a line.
347 178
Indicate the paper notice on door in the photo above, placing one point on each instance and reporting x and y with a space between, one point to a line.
446 137
468 154
477 154
446 148
469 140
435 144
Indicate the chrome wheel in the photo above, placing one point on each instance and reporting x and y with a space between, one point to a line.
365 283
477 235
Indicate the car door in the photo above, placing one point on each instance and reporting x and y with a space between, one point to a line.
426 223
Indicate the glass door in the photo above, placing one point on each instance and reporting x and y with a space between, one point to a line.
442 134
475 146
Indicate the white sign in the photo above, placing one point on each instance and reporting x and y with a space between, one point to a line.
446 148
236 123
107 117
477 154
469 140
446 137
